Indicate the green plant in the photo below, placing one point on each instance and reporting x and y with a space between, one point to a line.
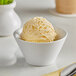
4 2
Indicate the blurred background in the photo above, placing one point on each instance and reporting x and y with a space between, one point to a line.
30 8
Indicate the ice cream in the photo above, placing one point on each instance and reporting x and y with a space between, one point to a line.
66 6
38 29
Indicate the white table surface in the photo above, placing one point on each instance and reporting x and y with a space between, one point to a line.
31 8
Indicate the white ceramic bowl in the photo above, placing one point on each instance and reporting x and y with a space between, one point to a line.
41 54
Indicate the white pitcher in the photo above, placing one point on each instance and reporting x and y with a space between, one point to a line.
9 20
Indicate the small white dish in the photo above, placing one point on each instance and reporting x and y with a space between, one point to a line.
41 54
54 12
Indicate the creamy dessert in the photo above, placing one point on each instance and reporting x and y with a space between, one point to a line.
66 6
38 29
36 41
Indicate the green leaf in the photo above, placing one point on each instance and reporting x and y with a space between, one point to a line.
1 2
9 1
5 1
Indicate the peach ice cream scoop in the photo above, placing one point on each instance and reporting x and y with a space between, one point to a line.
38 29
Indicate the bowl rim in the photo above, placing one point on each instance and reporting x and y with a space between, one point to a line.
64 37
